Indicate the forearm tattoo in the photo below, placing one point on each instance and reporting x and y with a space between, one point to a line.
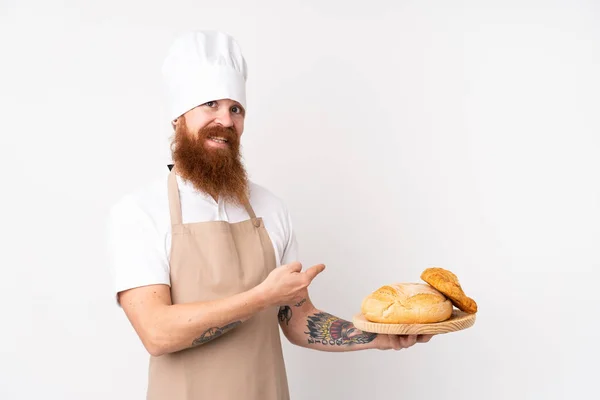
285 314
300 303
327 329
213 333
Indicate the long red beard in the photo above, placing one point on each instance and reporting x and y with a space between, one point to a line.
218 172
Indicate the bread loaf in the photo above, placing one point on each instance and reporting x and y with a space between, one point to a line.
406 303
447 283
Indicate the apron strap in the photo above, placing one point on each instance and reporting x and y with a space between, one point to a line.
249 209
174 203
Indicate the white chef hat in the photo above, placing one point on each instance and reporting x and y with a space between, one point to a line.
203 66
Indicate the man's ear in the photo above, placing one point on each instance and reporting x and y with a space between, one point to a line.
174 123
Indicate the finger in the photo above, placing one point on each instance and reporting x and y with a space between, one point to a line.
391 342
424 338
396 342
412 340
315 270
409 340
295 266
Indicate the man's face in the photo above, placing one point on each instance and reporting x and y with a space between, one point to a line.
226 113
206 149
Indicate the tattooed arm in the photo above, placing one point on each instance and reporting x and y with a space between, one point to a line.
164 327
306 326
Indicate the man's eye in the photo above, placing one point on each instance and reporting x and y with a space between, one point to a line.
236 109
210 103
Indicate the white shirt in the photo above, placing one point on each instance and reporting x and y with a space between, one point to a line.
139 228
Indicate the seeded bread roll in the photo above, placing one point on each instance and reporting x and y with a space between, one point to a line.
406 303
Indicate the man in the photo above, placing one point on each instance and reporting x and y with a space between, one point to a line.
205 261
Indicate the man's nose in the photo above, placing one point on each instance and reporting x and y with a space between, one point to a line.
224 118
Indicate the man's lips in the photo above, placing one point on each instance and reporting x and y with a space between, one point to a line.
218 139
218 142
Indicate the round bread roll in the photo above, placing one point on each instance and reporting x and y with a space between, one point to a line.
406 303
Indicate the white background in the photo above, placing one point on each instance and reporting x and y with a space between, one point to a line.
401 134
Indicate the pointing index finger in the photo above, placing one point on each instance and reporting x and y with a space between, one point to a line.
315 270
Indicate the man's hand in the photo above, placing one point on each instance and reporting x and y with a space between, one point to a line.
399 342
288 284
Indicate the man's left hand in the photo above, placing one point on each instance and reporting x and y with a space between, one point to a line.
399 342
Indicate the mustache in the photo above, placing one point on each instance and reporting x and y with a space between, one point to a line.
228 133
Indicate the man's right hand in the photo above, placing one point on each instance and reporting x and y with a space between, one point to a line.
287 284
